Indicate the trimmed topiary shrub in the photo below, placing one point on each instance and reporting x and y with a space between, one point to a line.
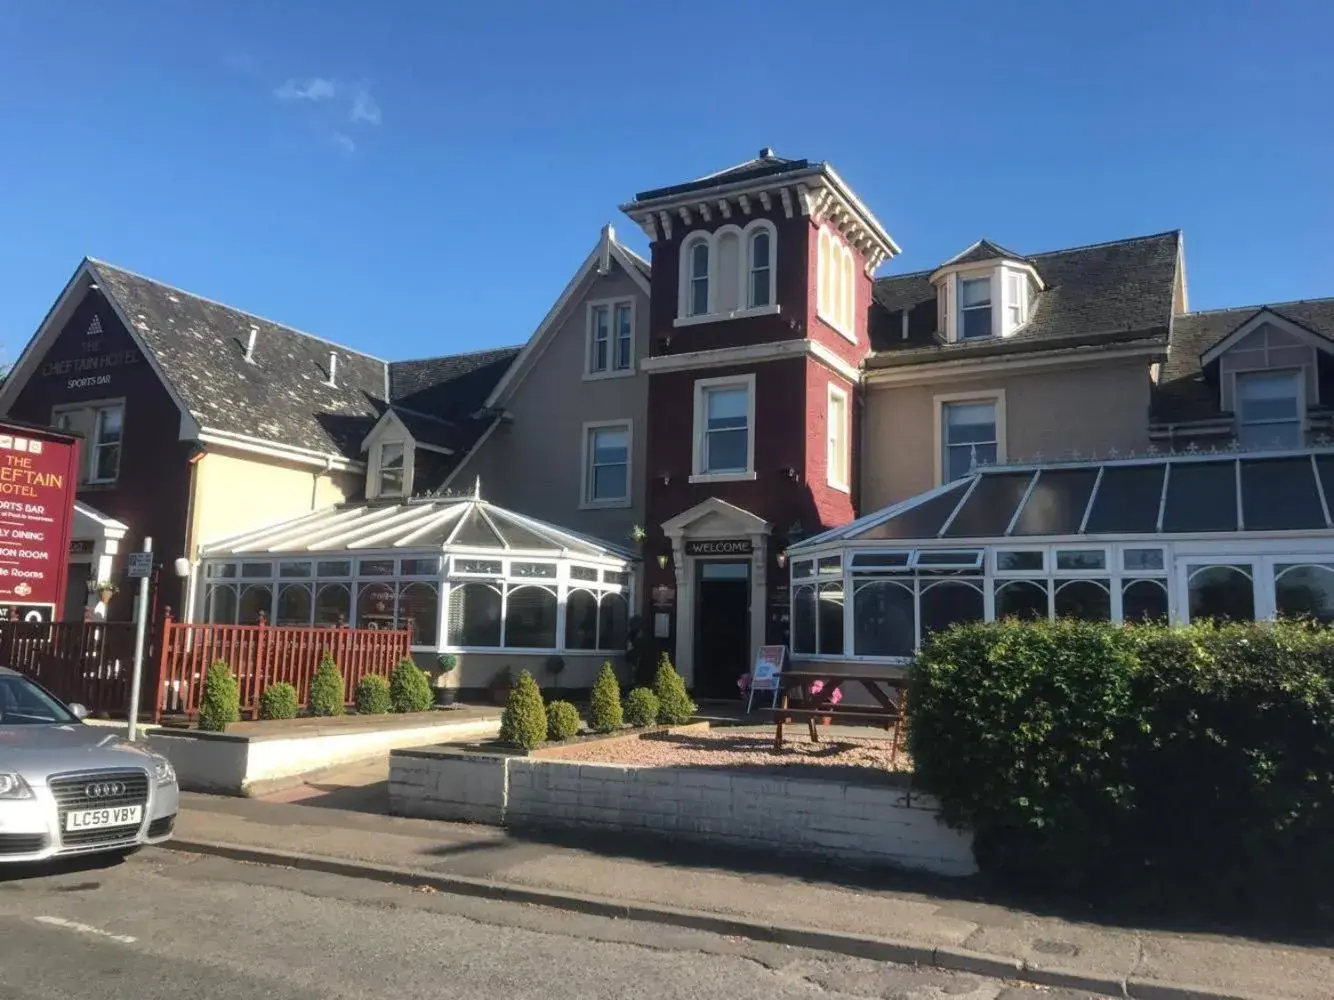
409 688
220 704
278 702
641 708
674 704
604 705
326 688
524 721
372 695
1148 765
562 721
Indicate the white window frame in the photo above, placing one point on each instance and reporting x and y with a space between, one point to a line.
702 388
374 482
1016 305
712 313
88 460
586 499
1298 375
836 285
757 228
962 309
994 396
612 306
838 440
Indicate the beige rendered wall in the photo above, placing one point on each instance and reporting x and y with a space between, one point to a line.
236 492
476 670
533 463
1055 411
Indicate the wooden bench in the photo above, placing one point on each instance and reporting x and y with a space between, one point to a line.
821 706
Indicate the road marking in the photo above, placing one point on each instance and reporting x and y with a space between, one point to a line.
78 928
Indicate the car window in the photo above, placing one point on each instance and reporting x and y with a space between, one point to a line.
24 703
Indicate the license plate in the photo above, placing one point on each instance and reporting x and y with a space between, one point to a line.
91 819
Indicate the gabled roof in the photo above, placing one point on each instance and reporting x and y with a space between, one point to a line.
983 250
1103 293
1182 395
608 248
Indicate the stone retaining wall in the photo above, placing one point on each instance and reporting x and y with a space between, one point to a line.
880 823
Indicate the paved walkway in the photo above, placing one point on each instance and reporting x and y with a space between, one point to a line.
873 914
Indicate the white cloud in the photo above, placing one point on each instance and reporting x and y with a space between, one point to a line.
317 88
344 142
364 108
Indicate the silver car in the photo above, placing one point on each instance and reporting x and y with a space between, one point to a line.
69 788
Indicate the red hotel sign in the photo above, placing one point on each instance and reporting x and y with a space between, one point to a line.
38 479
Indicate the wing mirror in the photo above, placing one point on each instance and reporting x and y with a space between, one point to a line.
79 711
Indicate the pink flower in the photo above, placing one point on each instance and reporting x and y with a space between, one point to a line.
743 683
818 686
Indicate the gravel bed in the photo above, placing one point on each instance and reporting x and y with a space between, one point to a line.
748 750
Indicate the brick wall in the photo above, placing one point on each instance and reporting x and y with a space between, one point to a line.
880 824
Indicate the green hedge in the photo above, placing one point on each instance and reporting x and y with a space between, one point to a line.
372 695
409 687
524 721
1158 766
326 688
220 702
279 701
562 721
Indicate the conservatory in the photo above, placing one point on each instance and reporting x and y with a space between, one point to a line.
1177 537
464 575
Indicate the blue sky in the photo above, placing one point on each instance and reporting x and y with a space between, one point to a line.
414 178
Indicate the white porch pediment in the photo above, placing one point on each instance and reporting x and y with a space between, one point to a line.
714 518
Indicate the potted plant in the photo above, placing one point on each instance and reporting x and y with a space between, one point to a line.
444 693
555 667
500 686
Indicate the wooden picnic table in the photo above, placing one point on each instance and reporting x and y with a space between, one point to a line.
890 694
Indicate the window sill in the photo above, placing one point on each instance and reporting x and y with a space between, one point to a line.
723 477
838 328
841 487
621 504
610 373
772 310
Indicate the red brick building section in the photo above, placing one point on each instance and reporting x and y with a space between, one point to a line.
761 289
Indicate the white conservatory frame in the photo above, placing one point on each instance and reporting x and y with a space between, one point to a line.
1258 554
291 554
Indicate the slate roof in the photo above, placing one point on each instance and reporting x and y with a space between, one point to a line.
753 169
284 396
985 250
1117 292
1182 393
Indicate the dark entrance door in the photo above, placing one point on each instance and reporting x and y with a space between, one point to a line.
722 627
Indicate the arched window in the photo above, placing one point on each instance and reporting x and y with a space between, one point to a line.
530 618
419 610
375 605
823 265
848 291
293 604
832 310
255 601
728 295
613 618
581 620
333 605
474 615
760 289
695 268
222 605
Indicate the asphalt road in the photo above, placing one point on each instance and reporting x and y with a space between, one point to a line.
171 925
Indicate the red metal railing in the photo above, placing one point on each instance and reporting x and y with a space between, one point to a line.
260 655
85 662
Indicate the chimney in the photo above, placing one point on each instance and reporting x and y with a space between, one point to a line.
604 249
767 153
250 345
333 369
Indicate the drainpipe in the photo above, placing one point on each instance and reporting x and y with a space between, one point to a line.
315 483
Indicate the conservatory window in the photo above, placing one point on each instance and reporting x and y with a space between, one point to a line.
1304 591
333 604
1023 599
294 604
885 618
948 601
1021 561
1144 601
530 618
1087 600
419 610
256 602
1220 593
474 616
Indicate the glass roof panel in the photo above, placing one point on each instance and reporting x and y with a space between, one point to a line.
1057 504
1279 494
520 536
990 508
923 521
1127 500
1201 496
476 532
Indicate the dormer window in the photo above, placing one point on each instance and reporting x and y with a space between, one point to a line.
974 308
392 469
1016 298
728 274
